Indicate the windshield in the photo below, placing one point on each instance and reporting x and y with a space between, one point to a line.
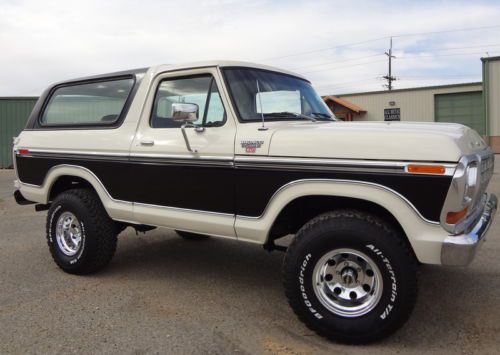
277 96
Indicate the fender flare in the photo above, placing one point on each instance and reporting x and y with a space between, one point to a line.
117 209
416 227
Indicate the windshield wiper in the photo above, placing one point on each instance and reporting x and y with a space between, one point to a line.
326 115
290 114
322 115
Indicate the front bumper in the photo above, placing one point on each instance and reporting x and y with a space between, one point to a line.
459 250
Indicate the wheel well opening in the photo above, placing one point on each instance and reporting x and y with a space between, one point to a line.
301 210
67 182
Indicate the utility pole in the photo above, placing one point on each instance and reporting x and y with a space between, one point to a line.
389 77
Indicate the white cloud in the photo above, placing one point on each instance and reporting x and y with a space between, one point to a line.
45 41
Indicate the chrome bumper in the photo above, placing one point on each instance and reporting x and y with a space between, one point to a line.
459 250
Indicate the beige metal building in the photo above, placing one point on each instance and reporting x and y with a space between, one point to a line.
476 105
491 85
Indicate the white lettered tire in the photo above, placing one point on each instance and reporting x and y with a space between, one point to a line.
350 277
81 236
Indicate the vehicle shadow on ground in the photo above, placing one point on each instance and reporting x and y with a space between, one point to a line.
225 259
452 306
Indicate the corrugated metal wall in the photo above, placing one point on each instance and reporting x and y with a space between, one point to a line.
415 104
493 81
465 108
14 111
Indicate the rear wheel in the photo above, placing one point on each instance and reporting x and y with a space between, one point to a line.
81 236
350 277
192 236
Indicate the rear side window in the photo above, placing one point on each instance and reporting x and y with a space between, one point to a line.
97 103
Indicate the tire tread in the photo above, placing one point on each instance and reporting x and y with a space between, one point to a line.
103 230
290 259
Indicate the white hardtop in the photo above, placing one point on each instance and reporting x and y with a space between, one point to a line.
218 63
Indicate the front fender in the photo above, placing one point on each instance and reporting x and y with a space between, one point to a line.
425 236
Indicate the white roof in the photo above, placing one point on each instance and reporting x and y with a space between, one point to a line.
218 63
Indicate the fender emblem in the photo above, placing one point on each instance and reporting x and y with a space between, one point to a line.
251 146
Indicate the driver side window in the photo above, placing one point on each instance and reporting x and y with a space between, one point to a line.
200 90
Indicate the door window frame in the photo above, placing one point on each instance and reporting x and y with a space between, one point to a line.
179 76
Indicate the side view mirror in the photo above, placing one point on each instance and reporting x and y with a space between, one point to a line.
187 113
184 112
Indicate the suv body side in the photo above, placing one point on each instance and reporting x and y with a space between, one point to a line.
145 175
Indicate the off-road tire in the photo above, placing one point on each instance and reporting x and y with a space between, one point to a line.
99 232
361 232
191 236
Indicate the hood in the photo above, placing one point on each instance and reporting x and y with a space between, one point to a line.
444 142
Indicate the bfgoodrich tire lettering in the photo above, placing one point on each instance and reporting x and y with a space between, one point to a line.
97 233
363 235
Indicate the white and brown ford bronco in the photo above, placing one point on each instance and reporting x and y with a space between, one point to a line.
248 152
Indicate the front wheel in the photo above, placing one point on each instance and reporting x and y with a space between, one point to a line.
350 277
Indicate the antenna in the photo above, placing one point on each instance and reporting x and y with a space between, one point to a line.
389 77
262 128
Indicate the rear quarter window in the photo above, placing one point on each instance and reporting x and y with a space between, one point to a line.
97 103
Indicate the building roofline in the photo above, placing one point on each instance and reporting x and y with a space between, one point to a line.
411 89
489 59
343 102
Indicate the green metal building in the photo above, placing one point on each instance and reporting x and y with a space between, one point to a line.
476 105
458 103
14 112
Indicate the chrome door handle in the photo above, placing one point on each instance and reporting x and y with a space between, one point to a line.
147 142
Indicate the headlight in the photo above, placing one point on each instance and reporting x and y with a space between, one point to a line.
462 195
471 184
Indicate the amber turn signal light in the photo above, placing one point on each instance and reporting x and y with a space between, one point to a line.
426 169
454 217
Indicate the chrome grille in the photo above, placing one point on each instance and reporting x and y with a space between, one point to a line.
486 171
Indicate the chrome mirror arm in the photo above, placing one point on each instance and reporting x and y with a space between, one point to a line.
186 140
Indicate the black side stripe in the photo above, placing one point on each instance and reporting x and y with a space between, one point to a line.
223 186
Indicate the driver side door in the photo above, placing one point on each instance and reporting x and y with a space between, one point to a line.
190 191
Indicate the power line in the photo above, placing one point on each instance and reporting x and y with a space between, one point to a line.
454 48
339 61
380 54
325 49
338 89
446 31
366 83
404 57
379 39
437 78
442 75
344 66
344 83
440 55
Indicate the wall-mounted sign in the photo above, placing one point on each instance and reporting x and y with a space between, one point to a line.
392 114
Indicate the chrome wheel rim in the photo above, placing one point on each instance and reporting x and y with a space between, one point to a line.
68 234
347 282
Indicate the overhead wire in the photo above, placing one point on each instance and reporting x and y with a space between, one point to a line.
379 39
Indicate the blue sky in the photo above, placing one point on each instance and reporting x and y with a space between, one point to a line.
46 41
